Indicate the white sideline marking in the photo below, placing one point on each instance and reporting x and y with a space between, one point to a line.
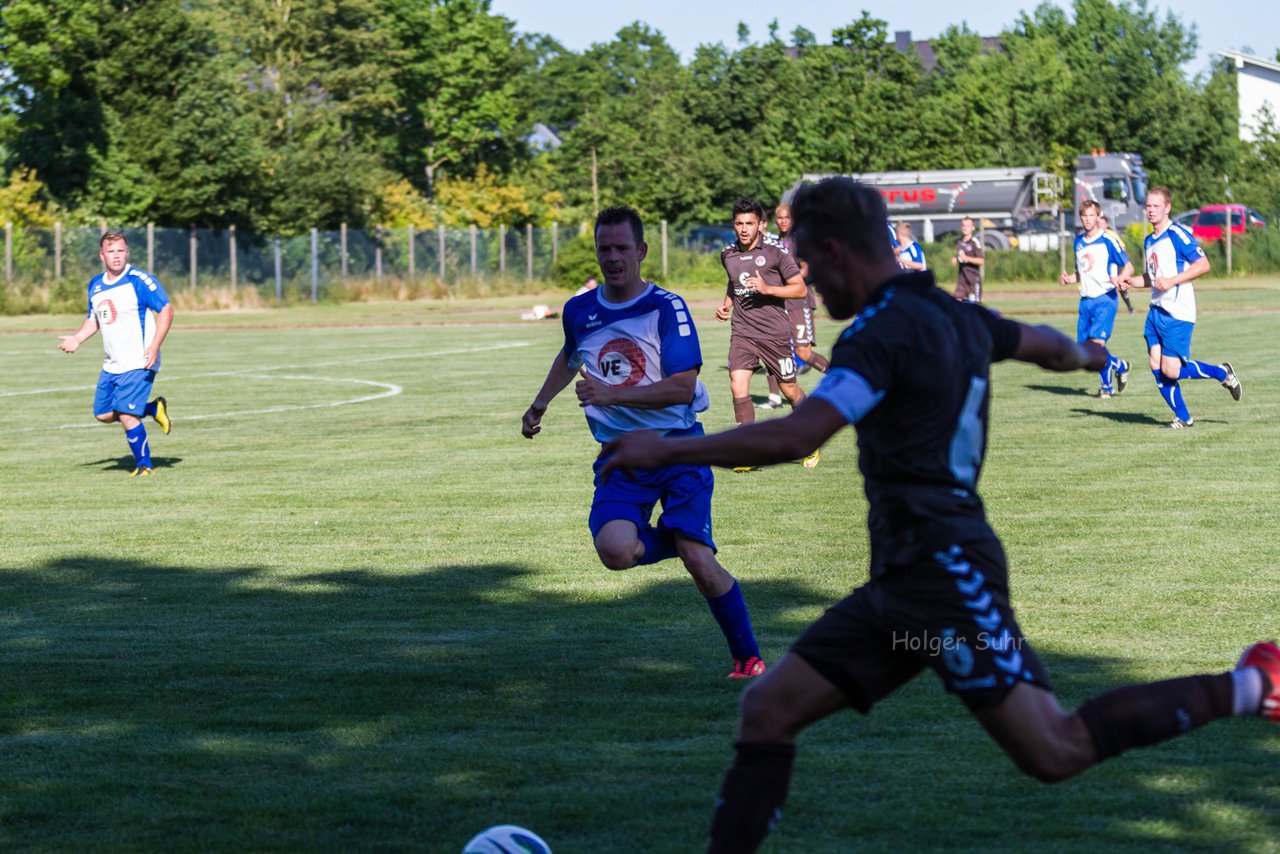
258 373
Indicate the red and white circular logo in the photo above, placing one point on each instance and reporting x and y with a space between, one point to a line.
107 312
1153 264
760 261
621 362
1086 262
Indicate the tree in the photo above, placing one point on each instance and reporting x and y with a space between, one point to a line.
456 70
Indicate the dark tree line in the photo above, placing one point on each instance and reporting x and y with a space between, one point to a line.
280 115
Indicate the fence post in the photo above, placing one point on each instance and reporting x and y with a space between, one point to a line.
441 230
151 247
473 250
279 271
315 264
8 252
1062 241
1230 216
555 242
191 242
342 239
412 266
664 249
502 250
57 250
528 251
985 269
231 244
377 254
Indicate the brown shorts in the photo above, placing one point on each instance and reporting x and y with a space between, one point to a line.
775 354
952 616
969 290
801 320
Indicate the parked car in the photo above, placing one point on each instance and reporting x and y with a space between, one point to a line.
1186 219
1210 220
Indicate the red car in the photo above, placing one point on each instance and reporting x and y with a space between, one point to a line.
1208 222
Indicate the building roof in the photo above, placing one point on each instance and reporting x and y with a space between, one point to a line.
1243 59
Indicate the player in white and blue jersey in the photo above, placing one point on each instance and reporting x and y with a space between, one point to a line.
1101 265
1173 260
635 352
133 313
909 253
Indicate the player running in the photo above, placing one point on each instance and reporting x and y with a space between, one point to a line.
761 277
912 373
1101 265
1173 260
134 314
635 350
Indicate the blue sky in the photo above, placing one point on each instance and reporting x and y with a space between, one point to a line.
1252 24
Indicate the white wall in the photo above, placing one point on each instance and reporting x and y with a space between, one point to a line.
1258 87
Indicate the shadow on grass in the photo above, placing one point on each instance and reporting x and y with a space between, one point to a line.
1063 390
127 463
250 709
1123 417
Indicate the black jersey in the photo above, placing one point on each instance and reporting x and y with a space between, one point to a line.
920 410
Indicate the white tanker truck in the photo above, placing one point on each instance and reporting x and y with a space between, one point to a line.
1015 207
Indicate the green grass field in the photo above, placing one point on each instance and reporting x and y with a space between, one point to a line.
355 610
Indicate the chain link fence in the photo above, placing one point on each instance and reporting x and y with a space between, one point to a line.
307 265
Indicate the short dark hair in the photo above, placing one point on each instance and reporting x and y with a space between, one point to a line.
619 214
1090 203
746 204
1164 191
111 237
845 210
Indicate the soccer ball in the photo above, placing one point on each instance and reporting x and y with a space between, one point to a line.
506 839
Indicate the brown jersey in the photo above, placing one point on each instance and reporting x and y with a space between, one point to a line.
754 314
968 276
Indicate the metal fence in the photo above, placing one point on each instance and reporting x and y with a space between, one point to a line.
306 265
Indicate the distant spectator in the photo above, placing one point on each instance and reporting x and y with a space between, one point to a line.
588 285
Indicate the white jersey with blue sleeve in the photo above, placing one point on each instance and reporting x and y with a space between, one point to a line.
125 310
1168 254
634 343
1097 260
914 253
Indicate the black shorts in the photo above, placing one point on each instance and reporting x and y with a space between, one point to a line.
952 616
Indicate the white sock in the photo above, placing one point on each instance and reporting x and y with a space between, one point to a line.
1246 691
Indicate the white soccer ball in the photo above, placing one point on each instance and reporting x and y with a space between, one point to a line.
506 839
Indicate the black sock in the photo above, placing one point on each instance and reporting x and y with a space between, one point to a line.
751 797
819 362
1138 715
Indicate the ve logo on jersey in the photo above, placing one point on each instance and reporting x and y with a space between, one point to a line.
621 362
1153 264
106 312
1086 262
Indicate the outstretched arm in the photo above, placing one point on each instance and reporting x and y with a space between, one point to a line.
1053 351
71 343
557 378
764 443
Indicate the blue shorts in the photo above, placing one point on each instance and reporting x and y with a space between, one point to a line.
1173 336
1097 317
127 392
685 493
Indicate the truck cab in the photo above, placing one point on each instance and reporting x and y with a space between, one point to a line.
1117 182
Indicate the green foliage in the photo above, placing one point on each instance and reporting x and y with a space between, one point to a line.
279 117
575 262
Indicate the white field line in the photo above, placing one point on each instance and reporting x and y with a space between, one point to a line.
389 389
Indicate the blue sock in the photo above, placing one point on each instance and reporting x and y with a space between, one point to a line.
658 543
1113 364
1172 395
149 410
1201 371
138 444
730 611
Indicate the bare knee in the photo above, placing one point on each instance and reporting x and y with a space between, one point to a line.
106 417
1058 754
617 556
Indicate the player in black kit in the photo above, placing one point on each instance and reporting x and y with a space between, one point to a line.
912 373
